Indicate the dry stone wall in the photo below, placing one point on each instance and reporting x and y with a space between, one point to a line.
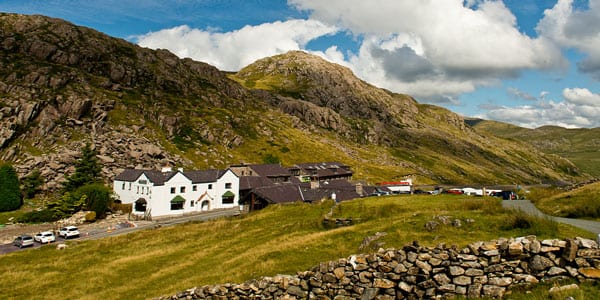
482 269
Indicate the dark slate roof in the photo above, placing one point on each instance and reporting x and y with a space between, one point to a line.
159 178
312 195
156 177
204 175
324 169
250 182
267 170
282 193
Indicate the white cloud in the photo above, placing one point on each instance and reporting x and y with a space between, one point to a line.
582 96
578 29
431 48
233 50
580 108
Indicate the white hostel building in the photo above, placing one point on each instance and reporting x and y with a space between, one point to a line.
167 192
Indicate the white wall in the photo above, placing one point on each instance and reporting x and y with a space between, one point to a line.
159 197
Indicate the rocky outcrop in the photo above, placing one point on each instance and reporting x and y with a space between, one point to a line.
483 269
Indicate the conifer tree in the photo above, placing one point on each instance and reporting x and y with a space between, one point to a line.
87 170
10 193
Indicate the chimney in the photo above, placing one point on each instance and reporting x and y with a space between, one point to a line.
166 169
359 189
180 170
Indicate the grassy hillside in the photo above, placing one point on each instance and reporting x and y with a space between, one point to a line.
581 146
583 202
277 240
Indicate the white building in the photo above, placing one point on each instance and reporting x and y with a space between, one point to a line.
398 187
167 192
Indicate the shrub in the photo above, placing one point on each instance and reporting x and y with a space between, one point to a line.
97 198
90 216
41 216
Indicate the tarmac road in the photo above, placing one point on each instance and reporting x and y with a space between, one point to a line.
528 207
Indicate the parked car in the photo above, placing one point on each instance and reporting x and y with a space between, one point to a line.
23 241
44 237
68 232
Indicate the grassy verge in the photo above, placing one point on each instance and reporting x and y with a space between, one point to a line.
277 240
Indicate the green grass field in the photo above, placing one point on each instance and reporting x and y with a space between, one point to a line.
277 240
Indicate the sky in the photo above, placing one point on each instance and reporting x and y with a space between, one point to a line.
526 62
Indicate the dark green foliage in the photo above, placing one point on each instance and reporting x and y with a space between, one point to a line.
67 205
41 216
271 159
10 193
31 183
97 198
94 197
87 170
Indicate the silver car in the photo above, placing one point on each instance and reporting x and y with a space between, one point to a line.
23 241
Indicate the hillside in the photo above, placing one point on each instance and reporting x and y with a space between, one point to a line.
581 146
62 86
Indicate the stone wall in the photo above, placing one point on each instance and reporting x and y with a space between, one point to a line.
481 269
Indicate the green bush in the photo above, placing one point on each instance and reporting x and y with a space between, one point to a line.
97 198
41 216
90 216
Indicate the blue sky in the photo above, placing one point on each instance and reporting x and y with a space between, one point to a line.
526 62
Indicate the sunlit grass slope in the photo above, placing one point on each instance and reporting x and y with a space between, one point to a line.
583 202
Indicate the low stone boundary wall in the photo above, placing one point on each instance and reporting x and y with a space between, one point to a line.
415 272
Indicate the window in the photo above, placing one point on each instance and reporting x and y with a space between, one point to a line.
228 185
227 198
130 186
194 188
177 206
177 203
172 190
210 186
137 190
192 204
123 187
182 189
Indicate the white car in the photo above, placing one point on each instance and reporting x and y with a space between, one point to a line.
68 232
44 237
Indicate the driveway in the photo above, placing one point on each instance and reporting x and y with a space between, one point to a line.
528 207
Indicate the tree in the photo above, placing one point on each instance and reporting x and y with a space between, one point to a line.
87 170
31 184
97 198
67 205
10 193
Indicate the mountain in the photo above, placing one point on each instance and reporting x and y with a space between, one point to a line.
62 86
579 145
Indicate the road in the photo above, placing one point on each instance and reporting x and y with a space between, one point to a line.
528 207
129 227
